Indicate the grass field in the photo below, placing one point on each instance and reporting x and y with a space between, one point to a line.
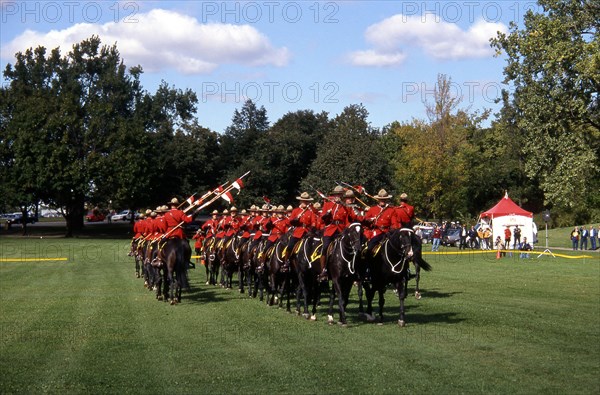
87 325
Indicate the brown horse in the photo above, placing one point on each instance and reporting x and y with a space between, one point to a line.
343 261
307 265
390 266
173 259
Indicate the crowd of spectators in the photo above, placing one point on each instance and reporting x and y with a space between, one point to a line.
580 237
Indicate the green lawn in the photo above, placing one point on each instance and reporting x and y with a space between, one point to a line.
87 325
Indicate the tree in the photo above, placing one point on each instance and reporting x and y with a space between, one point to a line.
350 152
553 69
432 165
79 129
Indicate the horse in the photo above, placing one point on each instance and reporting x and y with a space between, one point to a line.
342 263
307 265
279 279
390 265
173 258
212 260
232 260
258 267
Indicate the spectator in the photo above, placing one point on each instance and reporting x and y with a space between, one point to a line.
500 247
517 237
593 236
472 237
583 237
463 238
525 247
507 234
437 236
575 238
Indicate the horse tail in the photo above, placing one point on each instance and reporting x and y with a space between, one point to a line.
423 264
181 264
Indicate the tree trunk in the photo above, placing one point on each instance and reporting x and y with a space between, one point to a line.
74 218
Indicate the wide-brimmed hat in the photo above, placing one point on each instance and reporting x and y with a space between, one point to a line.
317 205
215 212
305 197
225 212
233 209
148 211
174 201
253 208
153 214
349 194
382 195
404 196
280 209
289 208
243 211
338 190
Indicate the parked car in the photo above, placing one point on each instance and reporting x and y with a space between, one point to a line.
17 218
451 237
124 215
94 216
425 230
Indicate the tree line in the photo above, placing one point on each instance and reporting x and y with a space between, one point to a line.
79 129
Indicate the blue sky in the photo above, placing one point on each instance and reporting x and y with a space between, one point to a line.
286 56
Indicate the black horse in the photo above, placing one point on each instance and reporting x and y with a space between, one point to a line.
390 265
232 259
343 261
279 278
173 257
307 265
212 260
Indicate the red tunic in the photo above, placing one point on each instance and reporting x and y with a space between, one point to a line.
305 218
384 218
405 213
199 238
280 226
173 218
338 217
210 227
232 225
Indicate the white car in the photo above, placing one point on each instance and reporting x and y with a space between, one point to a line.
124 215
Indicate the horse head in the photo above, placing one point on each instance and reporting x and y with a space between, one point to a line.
354 234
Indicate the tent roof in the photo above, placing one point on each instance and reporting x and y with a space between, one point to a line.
506 207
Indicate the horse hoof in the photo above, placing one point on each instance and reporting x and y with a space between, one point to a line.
159 297
137 275
306 315
313 317
401 323
369 318
330 320
173 302
418 295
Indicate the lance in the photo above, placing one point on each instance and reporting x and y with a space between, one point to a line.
362 192
350 187
217 196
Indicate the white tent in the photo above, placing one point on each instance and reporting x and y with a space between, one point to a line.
508 214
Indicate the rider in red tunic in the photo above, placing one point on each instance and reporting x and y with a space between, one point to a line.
381 218
174 218
405 212
336 217
302 219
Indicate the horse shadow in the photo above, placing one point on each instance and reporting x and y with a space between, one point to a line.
198 294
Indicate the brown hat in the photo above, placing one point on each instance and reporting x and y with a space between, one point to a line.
225 212
317 205
148 211
349 194
304 196
289 208
280 209
233 209
404 196
243 211
338 190
174 201
253 208
382 195
215 212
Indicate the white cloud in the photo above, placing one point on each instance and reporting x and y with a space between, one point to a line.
163 39
394 36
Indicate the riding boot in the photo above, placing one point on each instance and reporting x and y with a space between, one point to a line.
323 276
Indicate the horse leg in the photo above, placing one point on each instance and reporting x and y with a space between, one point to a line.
381 292
137 266
303 288
337 290
417 277
330 319
316 295
361 310
241 278
401 295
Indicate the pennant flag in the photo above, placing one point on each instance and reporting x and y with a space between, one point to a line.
190 200
238 184
267 200
227 197
359 189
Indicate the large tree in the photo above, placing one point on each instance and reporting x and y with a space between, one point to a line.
553 70
432 164
350 152
79 129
